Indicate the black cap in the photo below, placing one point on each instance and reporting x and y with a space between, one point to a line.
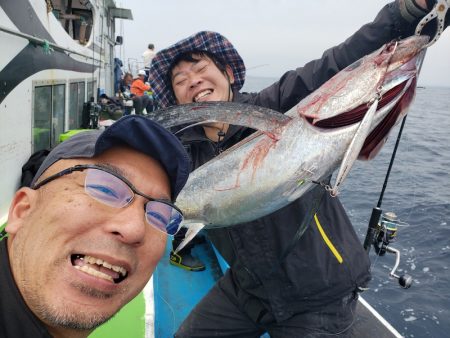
135 131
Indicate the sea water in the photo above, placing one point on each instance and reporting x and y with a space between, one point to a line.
418 191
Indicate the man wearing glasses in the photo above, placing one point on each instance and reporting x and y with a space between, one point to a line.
84 240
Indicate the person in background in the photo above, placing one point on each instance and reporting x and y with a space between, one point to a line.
147 58
111 109
118 72
303 288
84 239
125 85
124 94
148 55
142 90
139 87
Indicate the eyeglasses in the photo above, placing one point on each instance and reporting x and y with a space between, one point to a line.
112 189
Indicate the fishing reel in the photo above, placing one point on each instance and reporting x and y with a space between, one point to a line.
387 233
380 234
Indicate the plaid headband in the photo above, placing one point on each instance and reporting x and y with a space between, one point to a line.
211 42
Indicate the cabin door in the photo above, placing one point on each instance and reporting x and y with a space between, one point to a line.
48 117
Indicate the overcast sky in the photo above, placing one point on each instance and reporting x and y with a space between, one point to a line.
272 36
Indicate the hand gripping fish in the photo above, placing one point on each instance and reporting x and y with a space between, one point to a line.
348 117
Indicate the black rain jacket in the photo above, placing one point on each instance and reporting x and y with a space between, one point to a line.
328 262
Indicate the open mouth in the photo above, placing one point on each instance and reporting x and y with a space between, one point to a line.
202 95
99 268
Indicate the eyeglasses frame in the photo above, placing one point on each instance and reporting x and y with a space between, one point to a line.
82 167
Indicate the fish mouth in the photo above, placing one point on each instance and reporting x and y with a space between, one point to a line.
99 268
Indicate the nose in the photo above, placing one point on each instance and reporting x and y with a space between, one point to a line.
129 224
194 80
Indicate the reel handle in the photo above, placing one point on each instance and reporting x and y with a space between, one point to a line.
405 280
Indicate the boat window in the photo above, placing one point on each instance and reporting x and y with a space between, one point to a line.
49 111
42 117
76 100
90 90
76 18
59 99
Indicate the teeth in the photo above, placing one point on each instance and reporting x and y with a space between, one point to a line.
101 262
202 94
93 272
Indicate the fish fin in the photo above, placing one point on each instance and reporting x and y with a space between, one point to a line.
355 147
193 230
241 114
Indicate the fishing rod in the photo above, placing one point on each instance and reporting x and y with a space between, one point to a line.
381 234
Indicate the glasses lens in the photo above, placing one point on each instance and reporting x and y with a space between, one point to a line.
107 188
163 216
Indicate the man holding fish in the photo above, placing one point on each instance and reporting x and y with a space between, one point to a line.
297 271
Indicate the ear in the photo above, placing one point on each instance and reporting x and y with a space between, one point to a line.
230 74
22 204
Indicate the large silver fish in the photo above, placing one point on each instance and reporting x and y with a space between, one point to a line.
348 116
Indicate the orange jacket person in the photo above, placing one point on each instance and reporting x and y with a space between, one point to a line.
138 87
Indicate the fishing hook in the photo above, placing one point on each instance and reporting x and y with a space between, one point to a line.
377 97
327 187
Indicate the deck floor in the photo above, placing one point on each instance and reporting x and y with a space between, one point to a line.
177 290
